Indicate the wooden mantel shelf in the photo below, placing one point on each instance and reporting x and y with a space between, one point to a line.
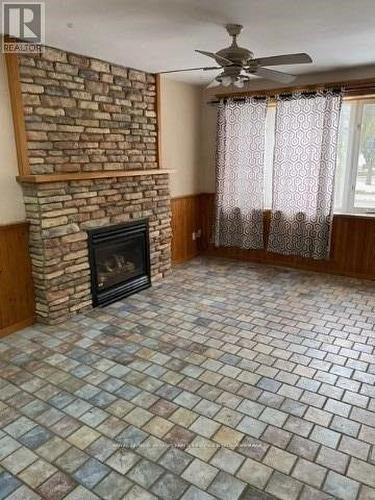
82 176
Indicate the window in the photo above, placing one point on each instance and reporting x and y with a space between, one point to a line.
355 173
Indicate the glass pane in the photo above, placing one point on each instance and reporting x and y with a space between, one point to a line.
119 262
344 137
365 183
268 155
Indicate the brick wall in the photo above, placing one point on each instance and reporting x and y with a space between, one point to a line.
83 114
86 115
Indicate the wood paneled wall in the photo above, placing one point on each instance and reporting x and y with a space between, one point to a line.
16 287
352 249
185 220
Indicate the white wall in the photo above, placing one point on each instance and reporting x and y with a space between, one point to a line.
180 111
11 202
208 144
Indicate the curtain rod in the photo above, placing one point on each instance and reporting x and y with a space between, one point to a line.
350 88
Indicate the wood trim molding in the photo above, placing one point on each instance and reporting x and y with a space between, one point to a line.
185 196
159 151
11 225
364 215
81 176
12 63
351 87
20 325
16 102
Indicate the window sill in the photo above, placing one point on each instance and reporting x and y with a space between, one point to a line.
358 215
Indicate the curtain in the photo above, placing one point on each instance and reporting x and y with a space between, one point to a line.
303 174
239 173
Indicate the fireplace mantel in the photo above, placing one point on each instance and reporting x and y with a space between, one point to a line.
80 176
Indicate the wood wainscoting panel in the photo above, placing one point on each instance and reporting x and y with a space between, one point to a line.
17 307
352 247
185 221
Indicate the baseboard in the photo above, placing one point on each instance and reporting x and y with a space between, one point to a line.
17 326
185 258
288 265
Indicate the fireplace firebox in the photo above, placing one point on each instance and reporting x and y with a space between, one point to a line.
119 261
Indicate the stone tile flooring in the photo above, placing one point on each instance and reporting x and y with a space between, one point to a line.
227 380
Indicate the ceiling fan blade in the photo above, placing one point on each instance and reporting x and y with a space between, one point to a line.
222 60
277 76
189 69
299 58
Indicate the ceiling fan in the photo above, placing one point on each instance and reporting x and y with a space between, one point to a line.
238 63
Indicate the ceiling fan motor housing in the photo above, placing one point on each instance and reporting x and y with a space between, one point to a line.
238 55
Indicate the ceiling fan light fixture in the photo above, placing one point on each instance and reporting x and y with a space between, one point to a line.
239 83
226 81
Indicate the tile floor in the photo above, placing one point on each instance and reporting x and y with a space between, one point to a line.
227 380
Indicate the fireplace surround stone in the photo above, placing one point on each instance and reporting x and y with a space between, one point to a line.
60 215
85 116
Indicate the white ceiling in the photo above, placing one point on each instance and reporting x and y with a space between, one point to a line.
159 35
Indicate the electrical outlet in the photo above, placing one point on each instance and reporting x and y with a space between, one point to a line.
193 236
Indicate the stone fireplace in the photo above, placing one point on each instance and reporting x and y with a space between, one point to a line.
91 135
61 215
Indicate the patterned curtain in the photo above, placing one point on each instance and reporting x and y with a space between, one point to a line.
239 173
303 174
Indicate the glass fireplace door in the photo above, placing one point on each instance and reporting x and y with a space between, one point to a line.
119 262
